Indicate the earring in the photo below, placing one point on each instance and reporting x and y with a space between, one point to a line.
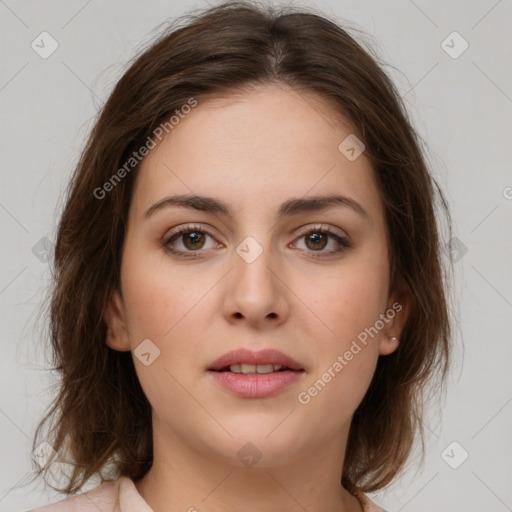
394 340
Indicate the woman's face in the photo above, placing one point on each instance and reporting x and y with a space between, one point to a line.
256 270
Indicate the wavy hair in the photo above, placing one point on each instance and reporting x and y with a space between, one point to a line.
101 416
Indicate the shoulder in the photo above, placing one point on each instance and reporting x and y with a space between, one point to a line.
109 496
103 497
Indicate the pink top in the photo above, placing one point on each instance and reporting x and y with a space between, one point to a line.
122 496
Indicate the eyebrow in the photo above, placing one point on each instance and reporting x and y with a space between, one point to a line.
289 208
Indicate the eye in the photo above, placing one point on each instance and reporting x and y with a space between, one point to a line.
318 238
188 239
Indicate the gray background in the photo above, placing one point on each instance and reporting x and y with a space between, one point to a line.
462 108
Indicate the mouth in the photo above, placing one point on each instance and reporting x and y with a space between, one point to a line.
251 369
256 374
248 362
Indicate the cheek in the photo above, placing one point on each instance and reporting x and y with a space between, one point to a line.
347 354
172 307
164 305
350 300
160 297
338 388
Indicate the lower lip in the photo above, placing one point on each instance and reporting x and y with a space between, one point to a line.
256 385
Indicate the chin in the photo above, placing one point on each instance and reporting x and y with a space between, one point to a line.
259 444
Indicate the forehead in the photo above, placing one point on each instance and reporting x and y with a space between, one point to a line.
267 120
269 142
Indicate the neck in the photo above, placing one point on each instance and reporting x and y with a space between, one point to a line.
185 479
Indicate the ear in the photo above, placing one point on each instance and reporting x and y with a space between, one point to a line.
115 318
398 309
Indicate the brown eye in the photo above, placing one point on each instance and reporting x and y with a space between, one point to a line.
322 242
189 241
193 240
316 240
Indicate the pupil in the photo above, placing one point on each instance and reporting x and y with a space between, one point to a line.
316 239
193 240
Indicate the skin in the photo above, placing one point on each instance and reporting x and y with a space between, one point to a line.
253 151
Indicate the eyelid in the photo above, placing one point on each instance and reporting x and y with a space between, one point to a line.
321 227
189 227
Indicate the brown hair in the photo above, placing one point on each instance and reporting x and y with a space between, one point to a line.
101 415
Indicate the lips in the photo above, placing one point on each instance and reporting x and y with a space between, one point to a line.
249 374
262 357
259 374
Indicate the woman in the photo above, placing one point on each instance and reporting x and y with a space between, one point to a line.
249 300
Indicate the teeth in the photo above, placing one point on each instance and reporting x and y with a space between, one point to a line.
254 368
264 368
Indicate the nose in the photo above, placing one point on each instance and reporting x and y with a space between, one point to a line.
255 292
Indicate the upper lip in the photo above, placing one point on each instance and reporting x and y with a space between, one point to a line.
245 356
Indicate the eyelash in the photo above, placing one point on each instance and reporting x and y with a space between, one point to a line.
342 241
